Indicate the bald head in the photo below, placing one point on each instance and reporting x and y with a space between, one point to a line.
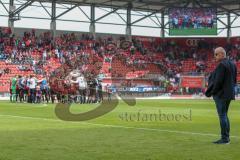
220 53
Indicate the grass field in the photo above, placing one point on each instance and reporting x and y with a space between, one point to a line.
32 132
189 31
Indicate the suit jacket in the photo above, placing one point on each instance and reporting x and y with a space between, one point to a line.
208 92
222 80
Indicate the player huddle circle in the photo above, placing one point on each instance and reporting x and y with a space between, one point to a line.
62 87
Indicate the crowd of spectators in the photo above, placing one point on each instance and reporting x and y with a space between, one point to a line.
33 52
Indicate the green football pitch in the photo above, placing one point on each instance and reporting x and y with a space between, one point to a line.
189 31
150 130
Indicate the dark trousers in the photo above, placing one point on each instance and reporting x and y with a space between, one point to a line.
32 95
82 97
222 109
21 94
45 95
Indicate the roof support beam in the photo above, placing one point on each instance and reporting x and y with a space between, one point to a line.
84 13
162 25
221 7
157 24
229 30
11 16
61 14
45 9
118 14
4 6
222 22
113 11
236 17
53 25
92 27
22 7
144 17
128 24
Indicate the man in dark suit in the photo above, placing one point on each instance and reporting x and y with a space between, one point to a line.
221 86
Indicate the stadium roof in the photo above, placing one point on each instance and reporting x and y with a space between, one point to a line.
224 8
156 5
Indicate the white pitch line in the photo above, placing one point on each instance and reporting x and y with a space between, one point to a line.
118 126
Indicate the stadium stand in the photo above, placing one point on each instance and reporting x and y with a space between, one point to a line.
115 59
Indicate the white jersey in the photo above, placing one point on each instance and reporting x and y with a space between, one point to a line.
32 83
82 84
